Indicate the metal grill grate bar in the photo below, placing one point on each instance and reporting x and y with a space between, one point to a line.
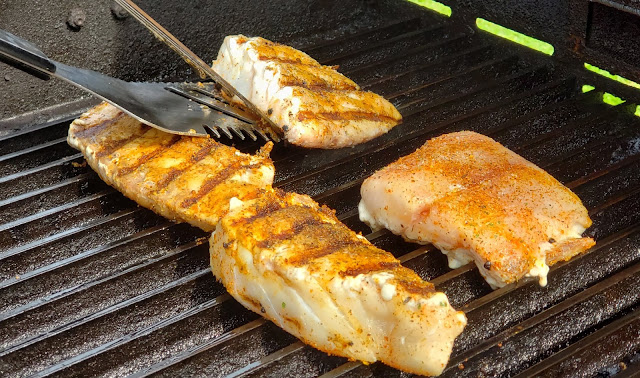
591 354
445 79
405 259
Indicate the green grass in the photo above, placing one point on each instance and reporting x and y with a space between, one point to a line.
514 36
434 6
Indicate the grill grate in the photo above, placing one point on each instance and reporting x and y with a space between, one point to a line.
91 284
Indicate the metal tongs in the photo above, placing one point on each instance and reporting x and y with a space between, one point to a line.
176 108
197 109
264 124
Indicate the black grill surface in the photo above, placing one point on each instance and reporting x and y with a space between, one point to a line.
92 284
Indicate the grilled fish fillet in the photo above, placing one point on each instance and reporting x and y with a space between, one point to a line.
290 260
182 178
478 201
314 105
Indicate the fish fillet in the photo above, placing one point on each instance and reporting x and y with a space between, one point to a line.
314 105
183 178
290 260
478 201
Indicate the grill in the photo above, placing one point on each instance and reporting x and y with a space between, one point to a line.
92 284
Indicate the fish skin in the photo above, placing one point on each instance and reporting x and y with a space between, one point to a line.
291 260
182 178
315 106
478 201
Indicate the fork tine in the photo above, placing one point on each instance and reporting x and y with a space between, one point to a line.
224 118
214 131
216 118
238 133
263 135
198 96
251 134
226 132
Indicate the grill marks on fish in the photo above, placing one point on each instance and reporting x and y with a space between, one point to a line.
196 149
296 228
374 266
314 77
113 146
331 249
344 116
289 259
91 129
314 105
286 60
146 157
274 226
220 177
168 173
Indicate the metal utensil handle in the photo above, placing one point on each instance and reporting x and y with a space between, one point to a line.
25 56
191 58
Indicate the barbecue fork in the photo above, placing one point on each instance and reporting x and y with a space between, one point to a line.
177 108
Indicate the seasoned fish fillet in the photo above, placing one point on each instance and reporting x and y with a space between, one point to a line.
315 105
182 178
290 260
478 201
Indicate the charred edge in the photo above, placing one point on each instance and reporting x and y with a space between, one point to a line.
211 183
219 178
145 158
319 86
345 116
295 229
329 212
418 287
175 173
263 211
110 148
205 151
94 129
370 267
265 151
298 62
305 257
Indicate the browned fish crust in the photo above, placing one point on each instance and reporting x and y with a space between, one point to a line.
478 201
314 105
170 174
292 261
278 219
